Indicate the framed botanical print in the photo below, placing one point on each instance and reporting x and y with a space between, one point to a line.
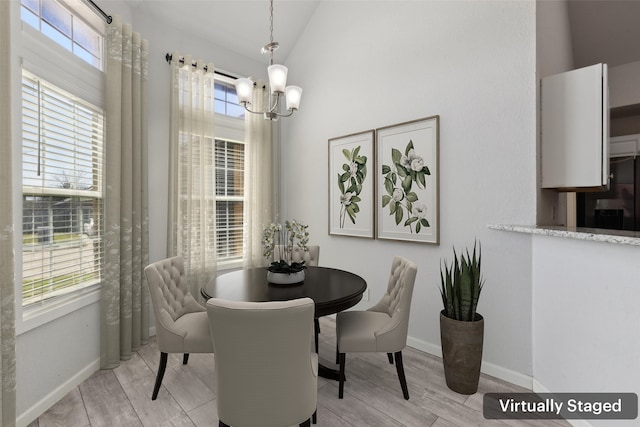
407 176
351 185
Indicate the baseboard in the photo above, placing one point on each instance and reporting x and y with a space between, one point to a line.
539 388
487 368
52 398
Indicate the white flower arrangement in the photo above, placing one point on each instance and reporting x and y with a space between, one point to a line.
293 234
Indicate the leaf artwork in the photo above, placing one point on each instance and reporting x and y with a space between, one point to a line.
407 170
350 182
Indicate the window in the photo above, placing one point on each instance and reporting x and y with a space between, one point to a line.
227 100
229 200
66 28
229 155
62 178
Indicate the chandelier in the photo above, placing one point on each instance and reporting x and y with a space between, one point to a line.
277 82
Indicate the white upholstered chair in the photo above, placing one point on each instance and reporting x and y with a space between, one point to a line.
181 322
383 327
266 370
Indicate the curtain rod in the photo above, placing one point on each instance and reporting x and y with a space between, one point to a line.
101 12
169 57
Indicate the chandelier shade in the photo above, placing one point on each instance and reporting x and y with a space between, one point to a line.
277 78
293 95
244 89
277 82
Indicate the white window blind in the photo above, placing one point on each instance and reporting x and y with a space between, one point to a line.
229 199
62 179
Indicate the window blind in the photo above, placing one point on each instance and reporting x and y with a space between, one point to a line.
62 179
229 199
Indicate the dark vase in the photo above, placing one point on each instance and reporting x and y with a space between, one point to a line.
462 352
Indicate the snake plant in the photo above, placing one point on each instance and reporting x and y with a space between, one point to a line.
461 283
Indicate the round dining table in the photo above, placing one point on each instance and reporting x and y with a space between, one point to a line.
332 290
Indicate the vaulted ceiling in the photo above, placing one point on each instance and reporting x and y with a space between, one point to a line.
240 25
602 30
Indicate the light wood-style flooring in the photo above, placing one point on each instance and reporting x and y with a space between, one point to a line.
373 398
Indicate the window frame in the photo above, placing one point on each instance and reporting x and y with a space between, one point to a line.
77 123
78 11
232 198
43 57
231 129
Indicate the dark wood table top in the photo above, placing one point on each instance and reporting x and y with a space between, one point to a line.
331 289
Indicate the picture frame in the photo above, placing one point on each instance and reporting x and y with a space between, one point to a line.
352 185
407 176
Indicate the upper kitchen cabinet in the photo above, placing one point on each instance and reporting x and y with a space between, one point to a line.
575 130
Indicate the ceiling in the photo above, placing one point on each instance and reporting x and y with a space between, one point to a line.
601 30
240 25
605 31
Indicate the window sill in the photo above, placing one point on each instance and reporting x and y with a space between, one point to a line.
230 265
39 314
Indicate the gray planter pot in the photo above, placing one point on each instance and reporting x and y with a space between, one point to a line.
462 352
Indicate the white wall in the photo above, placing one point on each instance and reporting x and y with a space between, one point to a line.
368 65
624 85
586 328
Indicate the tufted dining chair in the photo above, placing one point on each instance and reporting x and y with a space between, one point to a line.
181 322
383 327
266 370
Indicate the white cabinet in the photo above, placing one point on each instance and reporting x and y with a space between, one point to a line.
575 129
623 146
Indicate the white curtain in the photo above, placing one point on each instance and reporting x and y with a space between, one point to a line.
192 184
261 177
7 281
125 296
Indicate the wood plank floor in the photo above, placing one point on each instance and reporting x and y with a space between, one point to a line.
122 397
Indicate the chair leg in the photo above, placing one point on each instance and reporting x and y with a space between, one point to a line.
316 327
400 369
161 369
185 358
314 417
306 423
390 356
341 385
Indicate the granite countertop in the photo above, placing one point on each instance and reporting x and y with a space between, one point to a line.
622 237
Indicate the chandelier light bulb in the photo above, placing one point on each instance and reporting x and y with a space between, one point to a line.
244 89
277 78
293 95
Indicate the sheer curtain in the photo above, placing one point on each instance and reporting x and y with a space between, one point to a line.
192 179
262 178
125 297
7 281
